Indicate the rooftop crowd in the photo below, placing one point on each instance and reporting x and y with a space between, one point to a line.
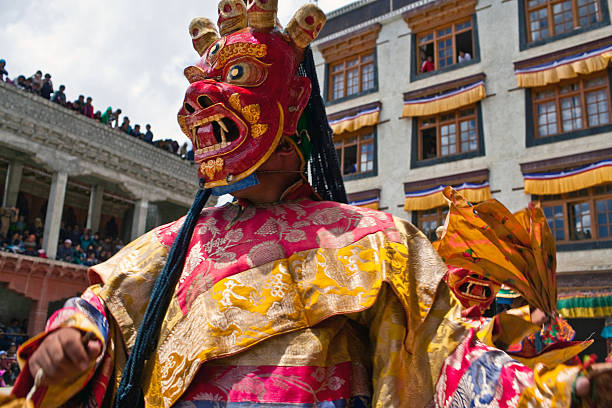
43 86
12 335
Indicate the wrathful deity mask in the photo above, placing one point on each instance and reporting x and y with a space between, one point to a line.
245 92
471 288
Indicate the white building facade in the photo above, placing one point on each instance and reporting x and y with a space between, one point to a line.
508 99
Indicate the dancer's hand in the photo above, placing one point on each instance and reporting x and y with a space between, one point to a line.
63 356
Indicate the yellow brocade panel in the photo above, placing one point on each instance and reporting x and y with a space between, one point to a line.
552 387
561 185
444 104
352 125
558 73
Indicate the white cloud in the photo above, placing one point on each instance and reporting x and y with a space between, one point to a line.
126 54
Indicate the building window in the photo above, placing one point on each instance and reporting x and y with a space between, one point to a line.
429 220
448 134
583 215
444 46
550 18
352 76
571 105
355 151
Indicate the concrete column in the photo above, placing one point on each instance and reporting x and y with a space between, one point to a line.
13 182
139 219
55 207
95 208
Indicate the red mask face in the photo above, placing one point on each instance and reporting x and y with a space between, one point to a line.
244 95
471 288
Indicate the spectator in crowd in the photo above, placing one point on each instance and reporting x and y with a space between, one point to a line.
37 78
464 56
183 150
36 88
5 341
3 70
59 96
86 239
18 226
190 155
79 104
38 228
30 246
91 259
148 134
14 333
428 65
79 255
88 109
47 87
28 85
115 118
98 116
125 126
21 82
76 234
106 117
136 132
66 252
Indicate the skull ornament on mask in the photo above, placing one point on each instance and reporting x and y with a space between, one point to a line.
244 94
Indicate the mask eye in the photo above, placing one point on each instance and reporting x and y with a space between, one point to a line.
247 72
213 52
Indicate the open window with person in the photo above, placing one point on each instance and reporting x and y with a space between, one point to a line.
356 152
446 45
580 216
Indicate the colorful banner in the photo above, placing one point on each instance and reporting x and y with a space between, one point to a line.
353 122
565 68
595 303
567 181
367 203
445 101
433 197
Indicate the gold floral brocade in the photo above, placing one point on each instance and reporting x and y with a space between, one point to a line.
292 295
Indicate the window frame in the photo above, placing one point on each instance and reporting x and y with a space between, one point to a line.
440 215
344 72
417 162
368 130
531 122
524 32
565 200
415 73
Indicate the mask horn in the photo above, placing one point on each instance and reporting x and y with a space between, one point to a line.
306 25
203 33
262 15
232 16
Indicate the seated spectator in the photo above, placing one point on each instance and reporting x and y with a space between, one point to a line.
91 259
97 116
18 226
5 341
37 78
88 109
428 65
79 104
38 228
21 82
105 118
65 252
125 126
59 96
148 134
464 57
183 150
47 87
30 246
14 333
16 244
76 234
190 155
3 71
136 132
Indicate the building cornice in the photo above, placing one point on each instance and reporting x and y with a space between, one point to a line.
393 14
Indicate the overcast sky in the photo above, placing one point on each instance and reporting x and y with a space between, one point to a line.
125 54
